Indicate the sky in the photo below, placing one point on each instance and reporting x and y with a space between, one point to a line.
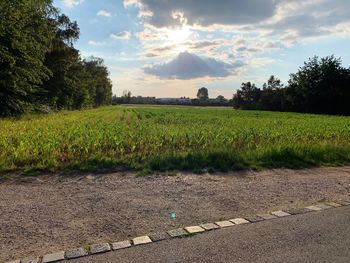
171 48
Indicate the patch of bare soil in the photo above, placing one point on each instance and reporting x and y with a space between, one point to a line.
50 213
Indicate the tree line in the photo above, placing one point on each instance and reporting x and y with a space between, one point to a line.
201 100
40 69
321 85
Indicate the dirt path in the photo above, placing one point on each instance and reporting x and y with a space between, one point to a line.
47 214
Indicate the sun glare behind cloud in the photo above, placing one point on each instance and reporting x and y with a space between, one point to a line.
269 36
178 36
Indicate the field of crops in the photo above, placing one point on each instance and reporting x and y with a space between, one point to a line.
172 138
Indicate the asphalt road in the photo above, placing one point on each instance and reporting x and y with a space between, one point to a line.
313 237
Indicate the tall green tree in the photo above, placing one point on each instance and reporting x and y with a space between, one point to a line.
272 95
203 94
25 37
63 60
126 98
320 86
39 65
247 97
101 86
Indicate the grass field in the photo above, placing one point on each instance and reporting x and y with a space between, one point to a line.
172 138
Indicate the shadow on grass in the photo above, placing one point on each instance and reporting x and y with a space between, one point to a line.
302 157
198 162
279 157
293 157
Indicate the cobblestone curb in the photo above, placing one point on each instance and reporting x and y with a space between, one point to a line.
178 233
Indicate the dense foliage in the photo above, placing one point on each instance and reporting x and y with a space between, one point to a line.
39 66
172 138
320 86
203 94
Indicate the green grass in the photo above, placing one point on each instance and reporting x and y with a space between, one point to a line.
172 138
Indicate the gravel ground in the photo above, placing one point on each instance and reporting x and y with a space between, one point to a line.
50 213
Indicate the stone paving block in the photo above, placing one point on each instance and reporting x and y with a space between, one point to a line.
323 206
121 245
255 219
76 253
298 211
177 232
239 221
224 223
209 226
333 204
54 257
313 208
267 216
141 240
159 236
194 229
100 248
280 213
30 260
344 203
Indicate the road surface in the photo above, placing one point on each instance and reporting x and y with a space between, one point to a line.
313 237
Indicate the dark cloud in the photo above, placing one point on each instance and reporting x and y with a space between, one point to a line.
295 18
203 44
150 55
312 19
165 50
208 12
189 66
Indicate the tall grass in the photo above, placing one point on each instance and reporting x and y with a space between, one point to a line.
172 138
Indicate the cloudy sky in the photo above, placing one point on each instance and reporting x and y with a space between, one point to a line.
170 48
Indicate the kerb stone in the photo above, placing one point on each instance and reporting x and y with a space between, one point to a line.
53 257
141 240
76 253
194 229
313 208
177 232
267 216
30 260
121 245
100 248
209 226
159 236
224 224
280 213
239 221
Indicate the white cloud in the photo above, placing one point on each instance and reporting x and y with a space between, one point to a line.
286 19
296 20
121 35
72 3
128 3
96 43
190 66
104 13
156 50
224 32
169 13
